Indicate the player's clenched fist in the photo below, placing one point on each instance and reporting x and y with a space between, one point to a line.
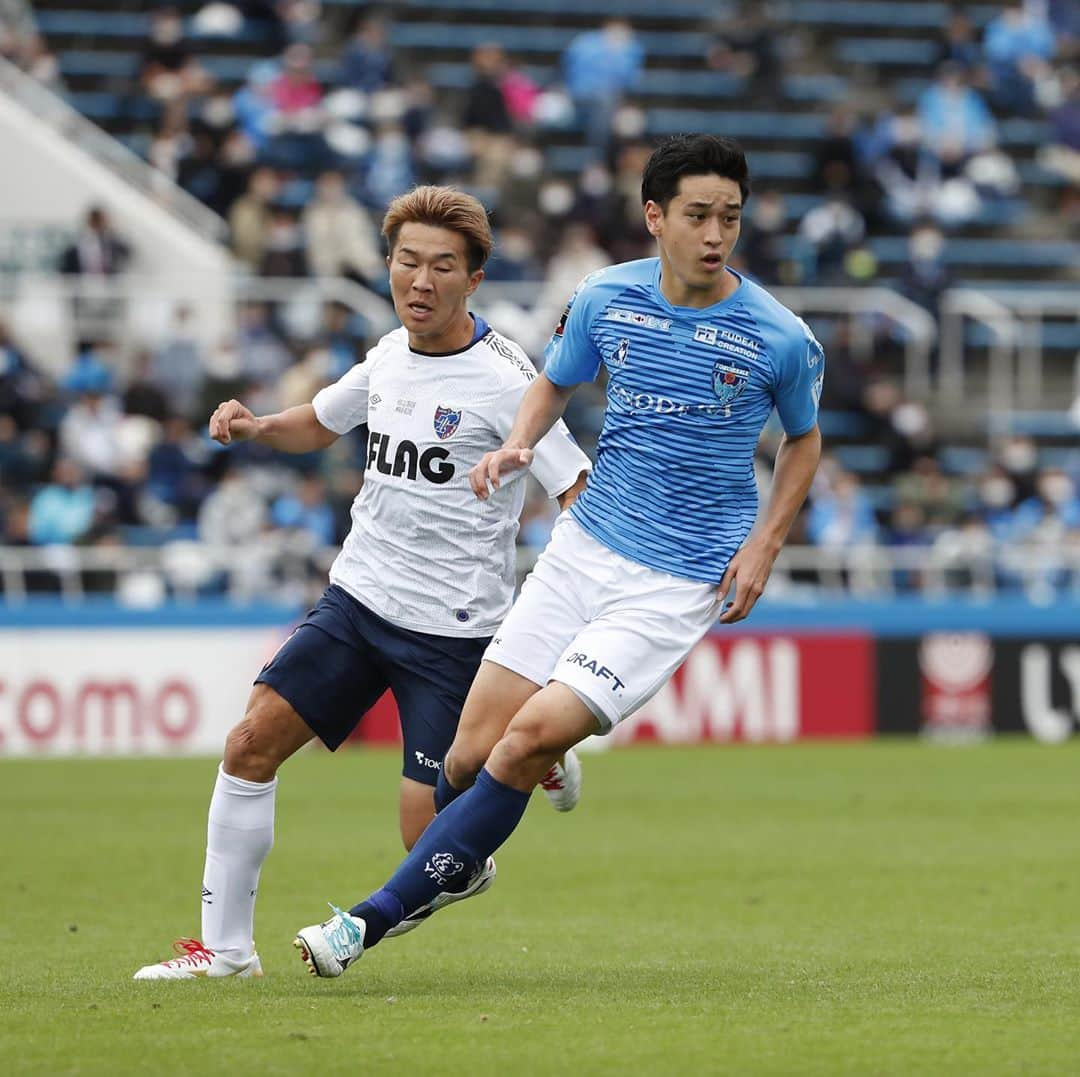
493 465
231 421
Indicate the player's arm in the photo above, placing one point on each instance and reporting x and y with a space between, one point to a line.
797 394
541 407
295 430
796 461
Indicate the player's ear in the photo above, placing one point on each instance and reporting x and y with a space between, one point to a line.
654 215
474 282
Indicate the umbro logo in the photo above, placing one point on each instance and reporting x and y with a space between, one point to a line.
374 400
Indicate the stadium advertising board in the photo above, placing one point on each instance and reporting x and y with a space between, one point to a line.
125 691
968 685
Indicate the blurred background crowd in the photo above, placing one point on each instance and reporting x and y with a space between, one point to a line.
915 146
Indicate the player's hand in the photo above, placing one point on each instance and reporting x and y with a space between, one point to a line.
231 421
485 477
748 572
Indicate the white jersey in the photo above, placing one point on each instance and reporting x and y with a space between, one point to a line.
424 552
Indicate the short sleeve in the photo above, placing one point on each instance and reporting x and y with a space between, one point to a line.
343 406
571 357
798 389
557 459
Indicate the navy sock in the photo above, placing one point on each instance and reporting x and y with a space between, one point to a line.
467 832
380 912
445 793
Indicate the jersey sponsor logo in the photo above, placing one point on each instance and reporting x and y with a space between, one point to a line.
580 658
447 420
405 407
442 868
424 761
635 317
462 616
405 459
705 334
662 405
729 381
561 327
618 356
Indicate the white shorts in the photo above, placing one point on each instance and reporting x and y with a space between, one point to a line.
611 630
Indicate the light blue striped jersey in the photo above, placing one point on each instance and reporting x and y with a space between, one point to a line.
688 393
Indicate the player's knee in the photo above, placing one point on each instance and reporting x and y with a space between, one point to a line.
463 763
249 753
527 741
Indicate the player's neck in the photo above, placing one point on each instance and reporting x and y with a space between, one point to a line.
680 294
453 338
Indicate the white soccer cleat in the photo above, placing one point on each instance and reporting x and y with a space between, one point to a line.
329 948
196 962
562 784
479 881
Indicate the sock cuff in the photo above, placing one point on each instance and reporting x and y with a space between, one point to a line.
493 785
241 786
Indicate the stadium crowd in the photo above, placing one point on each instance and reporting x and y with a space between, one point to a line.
304 156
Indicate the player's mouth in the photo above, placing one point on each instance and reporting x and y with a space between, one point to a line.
420 310
713 262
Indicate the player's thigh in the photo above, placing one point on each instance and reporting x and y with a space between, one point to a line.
416 808
620 659
330 680
496 695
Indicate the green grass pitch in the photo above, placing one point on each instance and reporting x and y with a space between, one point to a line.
879 908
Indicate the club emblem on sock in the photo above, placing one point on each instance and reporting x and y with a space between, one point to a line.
442 867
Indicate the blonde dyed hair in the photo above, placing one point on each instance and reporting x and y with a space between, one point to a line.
442 207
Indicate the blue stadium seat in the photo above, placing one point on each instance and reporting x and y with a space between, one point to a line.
963 459
842 424
863 459
529 38
897 51
673 9
92 63
748 124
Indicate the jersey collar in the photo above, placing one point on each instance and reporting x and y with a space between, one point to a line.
480 327
699 312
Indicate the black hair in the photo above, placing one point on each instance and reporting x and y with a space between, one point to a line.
692 155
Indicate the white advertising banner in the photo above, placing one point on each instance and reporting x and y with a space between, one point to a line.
126 691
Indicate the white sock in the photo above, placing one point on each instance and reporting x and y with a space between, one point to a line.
239 836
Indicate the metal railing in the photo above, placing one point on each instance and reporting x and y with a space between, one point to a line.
919 328
50 314
50 109
283 563
1014 320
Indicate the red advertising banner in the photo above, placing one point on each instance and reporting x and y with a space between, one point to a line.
763 688
740 687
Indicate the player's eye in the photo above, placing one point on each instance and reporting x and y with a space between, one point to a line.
409 265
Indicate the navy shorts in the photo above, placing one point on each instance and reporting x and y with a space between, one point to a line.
335 666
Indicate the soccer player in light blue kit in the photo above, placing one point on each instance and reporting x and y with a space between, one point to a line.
657 548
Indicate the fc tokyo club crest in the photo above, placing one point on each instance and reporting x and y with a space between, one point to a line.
447 421
728 381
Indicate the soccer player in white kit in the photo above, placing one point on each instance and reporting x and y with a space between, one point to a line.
657 548
423 579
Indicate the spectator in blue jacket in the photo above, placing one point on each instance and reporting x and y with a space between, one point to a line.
63 510
600 66
1019 44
